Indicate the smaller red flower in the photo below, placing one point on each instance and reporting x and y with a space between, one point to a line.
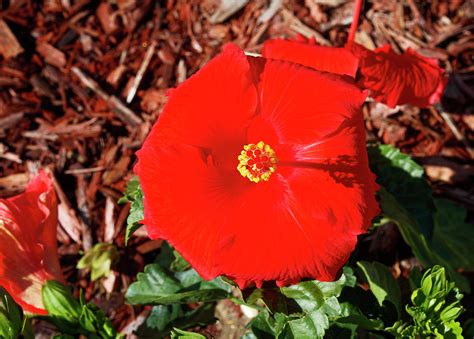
396 79
28 248
391 78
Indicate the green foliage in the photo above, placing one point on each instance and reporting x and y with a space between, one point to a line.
436 305
170 285
156 287
163 318
74 317
382 284
403 179
405 198
99 260
311 306
180 334
134 195
453 237
63 309
11 317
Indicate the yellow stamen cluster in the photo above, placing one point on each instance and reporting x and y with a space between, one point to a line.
257 162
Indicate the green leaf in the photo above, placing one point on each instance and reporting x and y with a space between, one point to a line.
177 333
176 315
162 315
421 247
154 283
403 179
263 325
11 317
406 199
179 263
99 260
93 320
63 309
319 304
351 314
453 237
155 287
134 195
381 283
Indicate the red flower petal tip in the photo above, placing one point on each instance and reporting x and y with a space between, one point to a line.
396 79
312 192
28 248
327 59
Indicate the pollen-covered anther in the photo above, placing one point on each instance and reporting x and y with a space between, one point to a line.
257 162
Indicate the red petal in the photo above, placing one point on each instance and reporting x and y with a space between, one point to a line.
328 59
28 248
213 107
303 105
400 79
333 185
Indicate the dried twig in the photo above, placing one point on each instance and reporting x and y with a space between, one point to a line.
454 129
141 71
296 25
123 112
69 220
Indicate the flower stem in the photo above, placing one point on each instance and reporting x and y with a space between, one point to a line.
355 21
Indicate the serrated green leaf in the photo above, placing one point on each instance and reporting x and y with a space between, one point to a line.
318 301
155 287
179 263
154 283
132 191
381 283
133 194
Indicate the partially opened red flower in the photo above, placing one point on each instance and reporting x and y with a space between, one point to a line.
28 248
390 78
257 170
395 79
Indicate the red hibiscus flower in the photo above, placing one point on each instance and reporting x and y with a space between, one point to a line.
395 79
391 78
28 248
257 170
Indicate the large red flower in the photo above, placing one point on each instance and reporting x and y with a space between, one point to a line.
391 78
28 248
257 170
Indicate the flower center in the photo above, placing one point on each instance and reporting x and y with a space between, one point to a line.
257 162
